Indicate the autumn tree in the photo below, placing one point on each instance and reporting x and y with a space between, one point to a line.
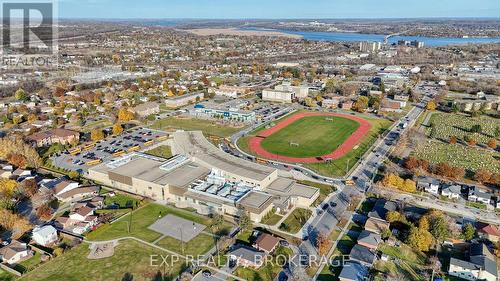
13 145
468 232
30 187
44 212
431 105
453 140
361 104
483 175
394 216
17 224
471 141
17 160
419 239
125 115
20 95
8 187
96 135
492 143
322 244
117 129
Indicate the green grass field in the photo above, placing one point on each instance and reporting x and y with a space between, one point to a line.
337 168
130 257
295 220
314 135
206 126
458 155
197 246
139 221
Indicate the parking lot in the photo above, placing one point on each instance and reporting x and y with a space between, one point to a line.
87 155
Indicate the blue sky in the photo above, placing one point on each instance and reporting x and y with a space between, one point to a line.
273 9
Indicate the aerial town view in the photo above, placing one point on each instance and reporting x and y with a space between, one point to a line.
249 140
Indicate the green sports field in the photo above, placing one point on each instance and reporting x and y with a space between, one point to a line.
315 136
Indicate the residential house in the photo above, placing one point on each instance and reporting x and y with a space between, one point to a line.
477 195
247 256
50 137
77 194
64 186
353 271
266 242
44 235
452 191
81 214
488 231
362 254
346 105
428 184
381 208
480 265
376 225
369 239
15 252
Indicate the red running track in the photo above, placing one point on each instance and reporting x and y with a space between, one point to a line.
346 146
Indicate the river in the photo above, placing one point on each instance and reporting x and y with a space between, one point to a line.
357 37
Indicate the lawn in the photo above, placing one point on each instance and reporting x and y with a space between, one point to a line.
477 205
139 221
163 151
197 246
6 276
315 136
120 199
206 126
458 155
404 253
29 264
294 222
337 168
444 125
272 219
324 190
130 258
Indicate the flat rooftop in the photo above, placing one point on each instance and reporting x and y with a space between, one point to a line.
289 187
196 145
150 169
256 201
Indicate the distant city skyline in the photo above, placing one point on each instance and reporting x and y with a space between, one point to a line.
274 9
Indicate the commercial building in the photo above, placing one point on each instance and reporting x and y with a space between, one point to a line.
213 111
233 169
183 100
301 91
278 96
53 136
206 179
370 47
231 91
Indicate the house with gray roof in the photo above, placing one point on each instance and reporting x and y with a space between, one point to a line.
369 239
481 264
452 191
381 208
362 254
428 184
353 271
477 195
247 256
